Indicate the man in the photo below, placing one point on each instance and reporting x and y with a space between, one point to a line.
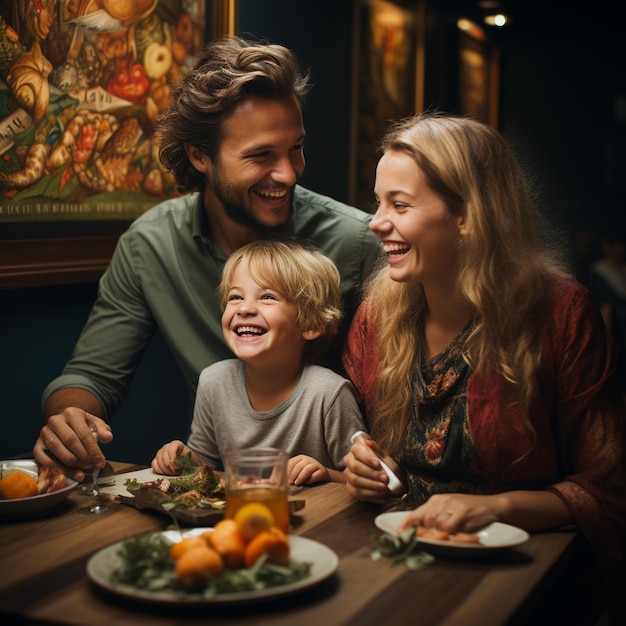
233 137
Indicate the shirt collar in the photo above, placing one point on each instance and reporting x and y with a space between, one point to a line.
200 229
201 232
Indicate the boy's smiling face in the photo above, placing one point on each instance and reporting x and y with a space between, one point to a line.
259 324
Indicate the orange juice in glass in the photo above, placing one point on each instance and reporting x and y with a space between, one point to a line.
258 475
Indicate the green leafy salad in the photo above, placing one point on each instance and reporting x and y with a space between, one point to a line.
145 564
198 488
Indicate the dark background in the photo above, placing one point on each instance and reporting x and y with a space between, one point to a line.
562 106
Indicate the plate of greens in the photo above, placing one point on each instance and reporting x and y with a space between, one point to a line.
196 497
139 568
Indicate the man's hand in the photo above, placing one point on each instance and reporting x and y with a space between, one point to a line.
67 440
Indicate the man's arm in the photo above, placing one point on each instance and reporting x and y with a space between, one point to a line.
61 399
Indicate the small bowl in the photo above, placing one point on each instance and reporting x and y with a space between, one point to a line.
33 506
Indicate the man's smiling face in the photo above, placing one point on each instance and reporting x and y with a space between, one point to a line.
259 161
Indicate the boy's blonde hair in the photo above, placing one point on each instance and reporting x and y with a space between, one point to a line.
303 276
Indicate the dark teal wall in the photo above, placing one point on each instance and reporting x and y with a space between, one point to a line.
38 329
320 34
558 92
562 82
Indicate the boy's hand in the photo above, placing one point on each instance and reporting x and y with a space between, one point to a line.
305 470
164 461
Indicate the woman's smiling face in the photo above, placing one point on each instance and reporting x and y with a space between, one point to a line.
419 233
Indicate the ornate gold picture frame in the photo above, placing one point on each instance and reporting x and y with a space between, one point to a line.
81 85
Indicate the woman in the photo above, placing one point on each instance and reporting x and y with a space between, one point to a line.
485 368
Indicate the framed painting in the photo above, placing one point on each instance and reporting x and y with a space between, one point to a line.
478 74
81 85
388 81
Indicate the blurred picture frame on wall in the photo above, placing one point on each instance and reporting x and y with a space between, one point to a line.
81 86
387 81
478 73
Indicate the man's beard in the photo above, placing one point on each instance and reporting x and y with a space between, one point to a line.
240 213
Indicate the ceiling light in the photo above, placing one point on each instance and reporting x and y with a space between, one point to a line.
497 19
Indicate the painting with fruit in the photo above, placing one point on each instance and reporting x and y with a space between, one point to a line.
81 85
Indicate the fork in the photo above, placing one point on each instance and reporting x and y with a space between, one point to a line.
95 490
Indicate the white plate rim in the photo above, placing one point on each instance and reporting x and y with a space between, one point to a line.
493 537
33 505
324 563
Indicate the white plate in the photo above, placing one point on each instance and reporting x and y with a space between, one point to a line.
114 485
323 563
493 537
35 505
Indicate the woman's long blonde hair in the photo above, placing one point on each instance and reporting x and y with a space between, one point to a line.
503 266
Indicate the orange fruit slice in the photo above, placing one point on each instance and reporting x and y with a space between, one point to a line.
272 542
197 566
180 547
18 485
228 541
253 518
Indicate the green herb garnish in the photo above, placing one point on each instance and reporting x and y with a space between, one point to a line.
261 575
203 489
146 565
402 548
186 463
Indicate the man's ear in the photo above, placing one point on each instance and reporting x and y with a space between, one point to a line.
198 158
311 334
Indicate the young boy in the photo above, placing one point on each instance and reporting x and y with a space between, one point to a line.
281 306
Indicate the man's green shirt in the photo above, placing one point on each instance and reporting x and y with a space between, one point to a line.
164 275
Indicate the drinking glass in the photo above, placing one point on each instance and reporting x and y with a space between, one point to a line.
258 475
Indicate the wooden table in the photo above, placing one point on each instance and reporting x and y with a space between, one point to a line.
43 579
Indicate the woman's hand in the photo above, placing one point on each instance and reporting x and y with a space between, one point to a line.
454 512
164 461
67 441
457 512
365 477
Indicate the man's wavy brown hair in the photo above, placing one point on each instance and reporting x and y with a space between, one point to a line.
229 71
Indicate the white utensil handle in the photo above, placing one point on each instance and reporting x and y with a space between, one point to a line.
395 484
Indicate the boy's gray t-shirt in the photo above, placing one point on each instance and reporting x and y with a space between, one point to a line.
318 418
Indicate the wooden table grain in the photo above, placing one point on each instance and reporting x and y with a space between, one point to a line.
43 574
